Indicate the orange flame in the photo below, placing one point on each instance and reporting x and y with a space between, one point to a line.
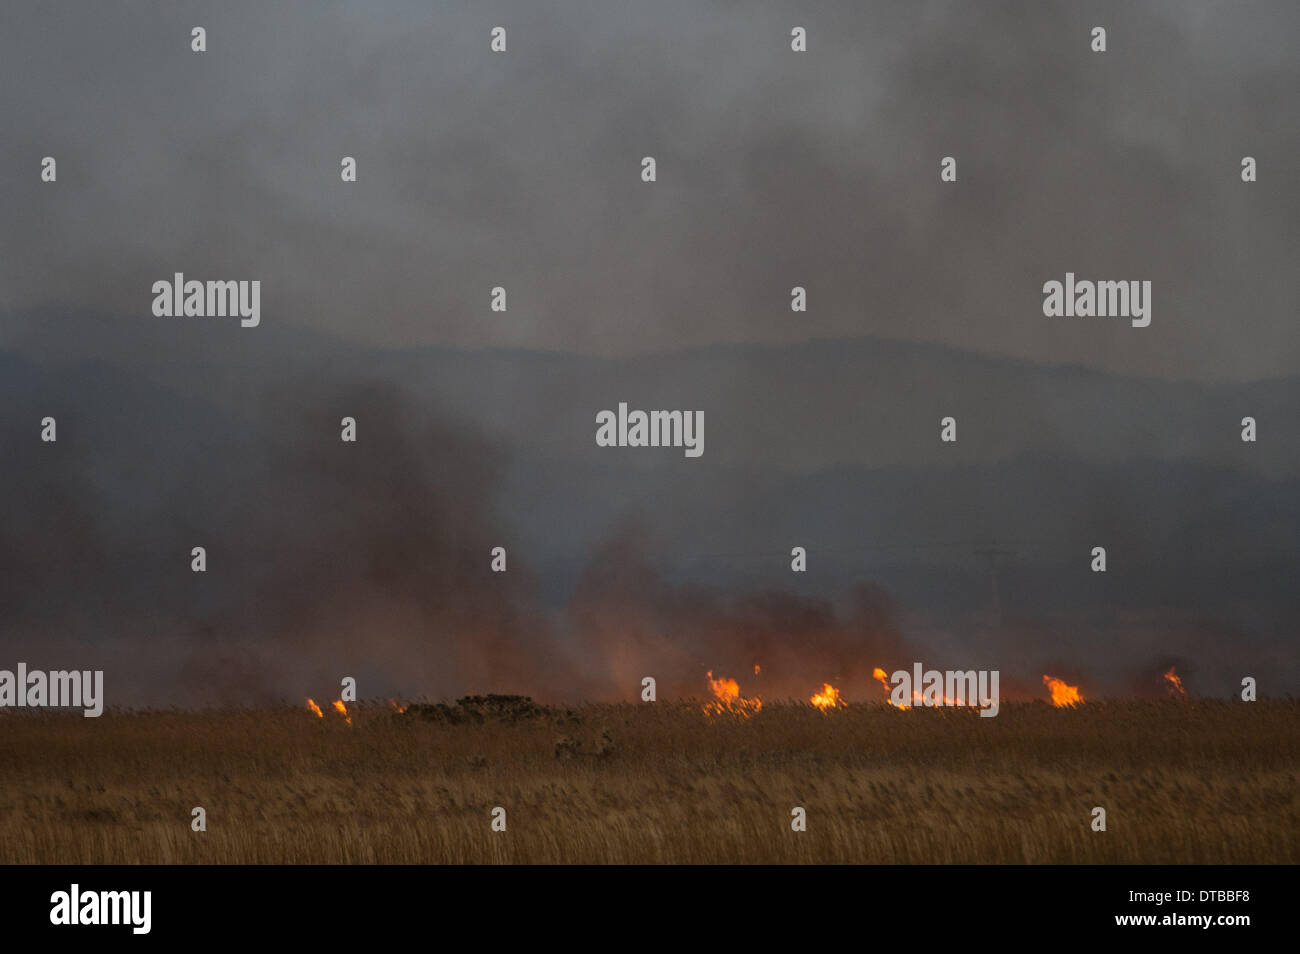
729 699
342 710
1062 694
828 698
315 708
727 690
918 698
400 709
756 669
1175 684
883 678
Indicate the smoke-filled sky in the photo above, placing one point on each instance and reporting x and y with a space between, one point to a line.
476 428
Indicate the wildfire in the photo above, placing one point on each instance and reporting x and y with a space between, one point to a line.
756 669
400 709
883 678
828 698
1062 694
337 706
727 690
1175 684
728 698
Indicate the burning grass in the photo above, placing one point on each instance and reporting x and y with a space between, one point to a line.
1183 781
1063 694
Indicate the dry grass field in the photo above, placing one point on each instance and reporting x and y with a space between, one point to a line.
1182 781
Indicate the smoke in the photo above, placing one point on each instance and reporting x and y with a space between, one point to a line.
326 558
371 559
631 622
775 168
323 558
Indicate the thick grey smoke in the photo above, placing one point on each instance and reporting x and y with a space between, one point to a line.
372 559
775 169
476 427
324 558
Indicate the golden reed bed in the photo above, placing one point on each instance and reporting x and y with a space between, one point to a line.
1193 781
